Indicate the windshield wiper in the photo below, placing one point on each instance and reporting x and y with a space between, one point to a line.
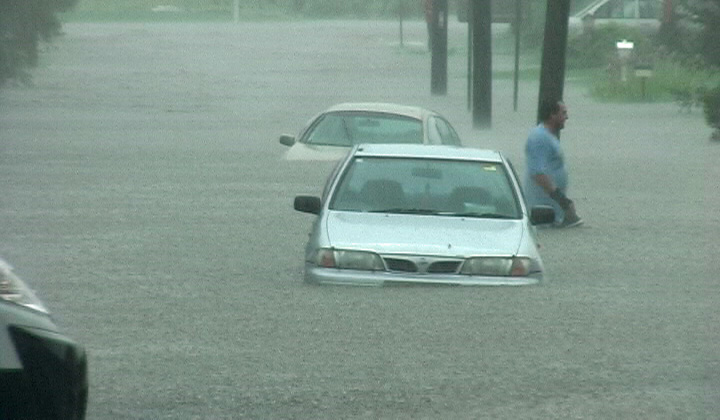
401 210
480 215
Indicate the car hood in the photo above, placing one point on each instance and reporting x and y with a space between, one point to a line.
302 151
426 235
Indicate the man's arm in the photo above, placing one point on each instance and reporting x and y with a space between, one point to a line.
547 185
545 182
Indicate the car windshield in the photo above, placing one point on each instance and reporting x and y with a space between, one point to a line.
355 127
426 186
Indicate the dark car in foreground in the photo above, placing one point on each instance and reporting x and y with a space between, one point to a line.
330 134
43 373
414 214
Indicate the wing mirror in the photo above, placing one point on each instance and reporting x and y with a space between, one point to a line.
540 215
307 204
287 140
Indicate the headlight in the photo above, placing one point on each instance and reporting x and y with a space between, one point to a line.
12 289
496 266
352 260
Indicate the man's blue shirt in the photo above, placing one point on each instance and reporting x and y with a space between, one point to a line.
543 155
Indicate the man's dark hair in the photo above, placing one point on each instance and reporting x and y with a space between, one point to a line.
547 108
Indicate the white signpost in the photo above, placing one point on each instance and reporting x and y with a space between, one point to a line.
624 48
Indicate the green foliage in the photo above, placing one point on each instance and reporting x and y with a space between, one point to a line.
23 24
694 30
708 13
676 76
672 80
684 55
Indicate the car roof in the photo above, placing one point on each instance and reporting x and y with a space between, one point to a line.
384 107
427 152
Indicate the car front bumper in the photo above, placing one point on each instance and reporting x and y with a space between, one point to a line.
321 275
51 381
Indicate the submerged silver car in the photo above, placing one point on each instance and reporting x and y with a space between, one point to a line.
43 373
413 214
330 134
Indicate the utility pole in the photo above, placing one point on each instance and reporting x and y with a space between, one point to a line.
517 22
481 21
552 70
438 47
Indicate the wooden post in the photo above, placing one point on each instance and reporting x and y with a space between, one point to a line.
552 70
438 63
482 63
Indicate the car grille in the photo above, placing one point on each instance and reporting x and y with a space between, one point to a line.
396 264
422 265
444 267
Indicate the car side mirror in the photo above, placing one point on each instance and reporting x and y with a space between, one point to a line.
287 140
540 215
307 204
